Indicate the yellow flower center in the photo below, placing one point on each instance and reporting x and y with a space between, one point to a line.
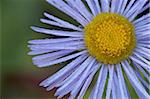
110 38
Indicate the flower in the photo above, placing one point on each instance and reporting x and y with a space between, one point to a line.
113 38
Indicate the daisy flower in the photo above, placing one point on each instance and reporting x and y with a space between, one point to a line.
113 39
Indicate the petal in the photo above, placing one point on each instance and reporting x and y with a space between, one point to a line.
123 88
47 41
128 7
36 52
98 82
109 86
142 53
92 7
134 11
102 82
61 5
143 59
143 27
105 5
97 6
123 6
76 45
92 93
75 75
57 32
87 82
141 19
144 45
52 55
78 4
145 84
83 77
145 7
139 62
63 59
116 83
146 75
120 3
134 80
64 71
114 6
62 22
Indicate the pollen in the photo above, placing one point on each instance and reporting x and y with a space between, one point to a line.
110 38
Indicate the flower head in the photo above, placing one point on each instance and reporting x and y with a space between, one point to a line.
113 38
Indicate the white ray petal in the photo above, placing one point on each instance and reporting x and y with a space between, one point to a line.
59 47
36 52
141 19
56 82
144 45
145 84
88 81
97 6
143 37
52 55
83 78
145 7
116 83
140 62
146 50
120 3
61 5
45 64
105 5
114 91
130 73
113 7
143 59
92 7
67 43
146 75
141 34
98 82
75 74
142 27
143 22
140 95
62 22
57 32
128 6
123 6
103 82
144 42
92 93
109 86
49 22
133 12
49 41
123 89
78 4
63 71
142 53
46 58
67 90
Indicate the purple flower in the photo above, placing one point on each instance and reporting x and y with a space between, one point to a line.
111 39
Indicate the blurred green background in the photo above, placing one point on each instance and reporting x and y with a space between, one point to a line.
20 78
